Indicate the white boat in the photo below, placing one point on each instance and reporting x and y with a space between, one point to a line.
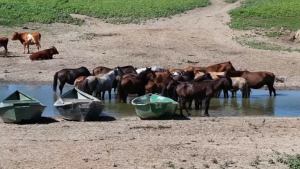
78 106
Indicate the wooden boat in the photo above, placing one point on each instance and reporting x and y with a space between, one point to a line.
19 107
152 106
78 106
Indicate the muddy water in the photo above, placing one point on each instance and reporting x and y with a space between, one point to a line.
286 103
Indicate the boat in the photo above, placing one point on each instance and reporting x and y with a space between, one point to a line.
19 107
78 106
152 106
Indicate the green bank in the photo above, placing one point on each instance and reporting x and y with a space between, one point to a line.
17 12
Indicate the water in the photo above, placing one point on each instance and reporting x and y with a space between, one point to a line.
286 103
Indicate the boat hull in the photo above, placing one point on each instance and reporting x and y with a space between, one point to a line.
154 107
81 111
17 114
19 107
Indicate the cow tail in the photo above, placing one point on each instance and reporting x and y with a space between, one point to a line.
55 81
84 86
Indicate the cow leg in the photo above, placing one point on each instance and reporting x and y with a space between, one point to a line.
196 104
27 48
109 94
184 105
207 101
5 54
24 48
124 97
61 86
190 104
103 93
225 93
274 91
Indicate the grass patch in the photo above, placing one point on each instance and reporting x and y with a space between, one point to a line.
231 1
266 14
293 161
255 44
18 12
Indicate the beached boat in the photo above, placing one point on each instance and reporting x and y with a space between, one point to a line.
152 106
19 107
78 106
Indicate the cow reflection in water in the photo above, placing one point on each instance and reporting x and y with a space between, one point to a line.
258 106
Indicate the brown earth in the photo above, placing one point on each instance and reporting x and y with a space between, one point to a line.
234 142
200 35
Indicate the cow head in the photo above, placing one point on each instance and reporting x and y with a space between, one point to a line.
15 36
54 50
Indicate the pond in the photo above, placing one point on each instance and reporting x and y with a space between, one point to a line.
286 103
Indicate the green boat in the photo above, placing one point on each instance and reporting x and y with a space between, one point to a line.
19 107
152 106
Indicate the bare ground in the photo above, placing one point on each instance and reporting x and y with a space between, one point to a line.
255 142
198 35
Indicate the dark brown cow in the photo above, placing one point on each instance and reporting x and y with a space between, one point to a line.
3 42
256 80
28 38
221 67
199 91
44 54
134 84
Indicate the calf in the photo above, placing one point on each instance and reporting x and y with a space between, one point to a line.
44 54
3 42
28 39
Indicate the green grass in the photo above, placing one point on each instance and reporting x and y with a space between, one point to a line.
264 46
18 12
293 161
266 14
231 1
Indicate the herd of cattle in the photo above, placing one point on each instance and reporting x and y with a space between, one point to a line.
188 84
26 39
184 85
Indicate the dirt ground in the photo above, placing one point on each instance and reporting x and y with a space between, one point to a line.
201 35
249 142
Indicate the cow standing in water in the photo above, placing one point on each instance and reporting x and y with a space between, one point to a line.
4 42
28 39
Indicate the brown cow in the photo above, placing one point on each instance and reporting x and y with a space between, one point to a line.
101 70
44 54
153 87
3 42
221 67
27 39
256 80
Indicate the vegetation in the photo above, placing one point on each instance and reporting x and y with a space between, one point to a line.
14 12
293 161
266 14
231 1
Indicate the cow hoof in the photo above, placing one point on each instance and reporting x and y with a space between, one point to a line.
207 115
